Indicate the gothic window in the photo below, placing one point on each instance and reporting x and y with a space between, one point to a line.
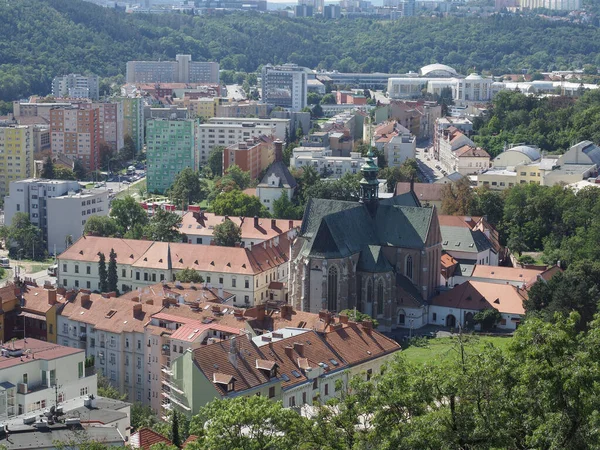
369 292
409 267
332 288
380 297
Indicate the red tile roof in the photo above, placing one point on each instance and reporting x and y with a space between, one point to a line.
471 152
356 345
145 438
477 295
505 273
423 191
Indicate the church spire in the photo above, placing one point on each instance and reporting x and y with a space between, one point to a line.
369 185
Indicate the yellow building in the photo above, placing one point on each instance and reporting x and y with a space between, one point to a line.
16 154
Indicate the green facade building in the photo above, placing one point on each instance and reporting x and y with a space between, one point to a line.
169 150
133 121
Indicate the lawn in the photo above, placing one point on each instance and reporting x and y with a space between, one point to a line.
437 349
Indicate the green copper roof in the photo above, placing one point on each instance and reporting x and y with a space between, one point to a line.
372 260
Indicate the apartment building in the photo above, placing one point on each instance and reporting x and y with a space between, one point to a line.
325 163
242 109
199 228
212 134
182 70
557 5
133 121
75 85
16 155
58 207
279 125
110 121
111 330
169 150
252 155
33 108
35 374
400 148
245 273
285 86
75 132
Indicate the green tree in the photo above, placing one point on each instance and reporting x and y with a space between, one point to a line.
79 170
112 280
105 389
102 273
127 213
215 161
358 316
236 203
175 438
24 239
188 188
227 234
250 423
101 226
48 168
488 318
62 173
457 198
164 227
127 153
328 99
142 416
283 208
189 275
240 177
299 132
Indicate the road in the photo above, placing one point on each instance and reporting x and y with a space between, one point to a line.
427 164
235 92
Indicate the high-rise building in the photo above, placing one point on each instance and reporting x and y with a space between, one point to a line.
75 132
332 11
16 154
133 121
169 149
558 5
75 85
182 70
285 86
252 155
110 116
57 207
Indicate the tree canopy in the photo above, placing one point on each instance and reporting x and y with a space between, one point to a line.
236 203
227 234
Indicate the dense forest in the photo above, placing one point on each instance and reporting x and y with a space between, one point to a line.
42 38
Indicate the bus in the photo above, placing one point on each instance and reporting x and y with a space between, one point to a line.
4 262
52 270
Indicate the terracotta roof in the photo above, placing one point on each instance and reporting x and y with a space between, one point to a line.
38 349
191 438
192 330
216 359
505 273
7 293
448 261
205 313
469 151
423 191
275 319
355 345
276 285
309 350
202 224
144 438
250 191
191 293
455 221
164 255
477 295
86 248
35 299
115 315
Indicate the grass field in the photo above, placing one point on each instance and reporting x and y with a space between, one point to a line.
441 348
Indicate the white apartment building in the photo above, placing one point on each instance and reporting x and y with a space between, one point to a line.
210 135
279 126
111 330
182 70
75 85
399 149
34 373
285 86
245 273
322 160
557 5
68 214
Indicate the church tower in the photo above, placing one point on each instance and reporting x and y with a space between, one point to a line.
369 185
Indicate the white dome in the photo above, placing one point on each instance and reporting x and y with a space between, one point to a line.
437 70
474 76
531 152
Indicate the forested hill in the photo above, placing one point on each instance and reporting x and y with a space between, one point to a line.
42 38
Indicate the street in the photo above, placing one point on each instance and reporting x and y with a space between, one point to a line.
235 92
427 164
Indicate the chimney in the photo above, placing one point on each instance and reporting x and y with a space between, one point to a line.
150 302
51 296
325 316
278 150
336 326
299 348
260 311
289 351
137 308
367 326
233 353
61 291
85 298
273 224
286 311
343 318
112 294
255 221
291 224
135 299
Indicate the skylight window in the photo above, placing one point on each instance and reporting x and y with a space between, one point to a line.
296 373
285 377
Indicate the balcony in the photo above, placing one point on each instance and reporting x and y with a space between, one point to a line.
166 350
83 337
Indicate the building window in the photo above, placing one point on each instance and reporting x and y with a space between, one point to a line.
272 392
326 389
80 369
409 267
369 291
88 270
292 402
233 282
434 317
123 272
246 284
64 268
369 374
332 288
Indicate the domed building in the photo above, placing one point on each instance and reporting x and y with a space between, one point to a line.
517 155
473 88
381 257
437 70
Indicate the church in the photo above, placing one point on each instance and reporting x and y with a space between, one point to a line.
381 257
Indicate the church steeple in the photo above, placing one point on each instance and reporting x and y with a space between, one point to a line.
369 186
